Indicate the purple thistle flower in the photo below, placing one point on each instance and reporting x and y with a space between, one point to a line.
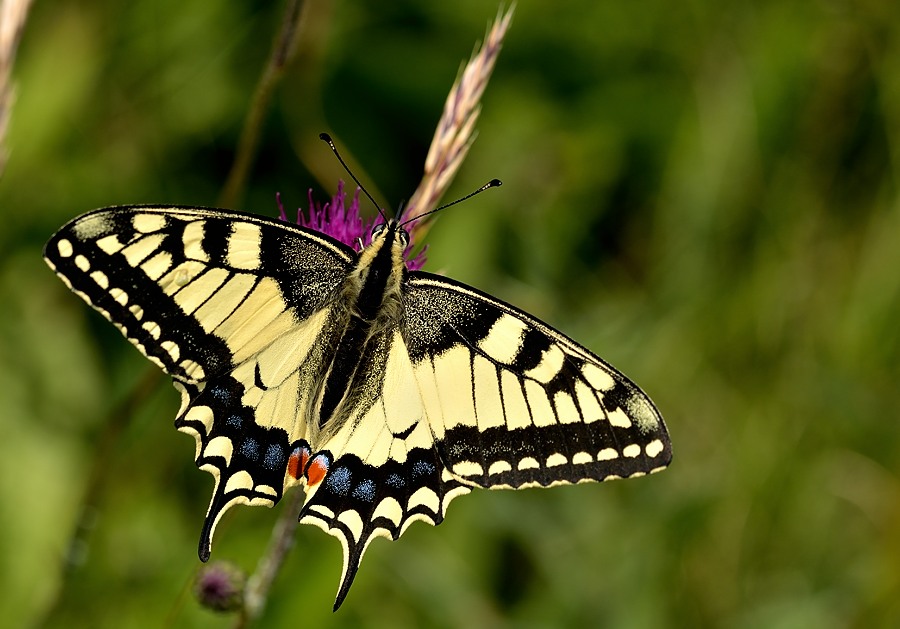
344 224
220 587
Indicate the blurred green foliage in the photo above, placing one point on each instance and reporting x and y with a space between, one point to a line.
704 193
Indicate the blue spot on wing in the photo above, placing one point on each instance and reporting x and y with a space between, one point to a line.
274 457
365 491
422 468
250 448
338 482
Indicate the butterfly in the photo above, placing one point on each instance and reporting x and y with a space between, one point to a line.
384 392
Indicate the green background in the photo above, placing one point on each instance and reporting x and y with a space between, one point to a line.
703 193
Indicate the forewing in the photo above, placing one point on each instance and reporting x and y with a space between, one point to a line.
196 290
226 303
514 403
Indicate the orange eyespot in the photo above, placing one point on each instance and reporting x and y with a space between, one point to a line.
297 461
317 469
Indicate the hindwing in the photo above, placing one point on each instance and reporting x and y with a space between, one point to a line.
387 473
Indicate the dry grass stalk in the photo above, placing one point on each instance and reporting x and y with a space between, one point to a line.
456 129
12 21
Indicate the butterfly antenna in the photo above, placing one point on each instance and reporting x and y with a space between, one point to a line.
327 139
493 183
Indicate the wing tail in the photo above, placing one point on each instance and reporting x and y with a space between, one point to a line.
357 502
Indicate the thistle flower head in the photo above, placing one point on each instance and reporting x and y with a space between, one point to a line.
344 223
452 139
220 587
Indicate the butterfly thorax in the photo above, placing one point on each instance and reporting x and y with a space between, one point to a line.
365 309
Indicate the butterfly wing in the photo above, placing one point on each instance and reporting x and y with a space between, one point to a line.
513 403
226 303
476 393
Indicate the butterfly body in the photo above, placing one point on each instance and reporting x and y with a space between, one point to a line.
384 392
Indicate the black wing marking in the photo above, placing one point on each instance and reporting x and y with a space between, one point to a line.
514 403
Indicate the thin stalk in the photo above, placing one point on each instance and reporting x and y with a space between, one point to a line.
282 53
280 542
13 14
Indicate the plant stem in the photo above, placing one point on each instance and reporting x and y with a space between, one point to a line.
282 53
281 541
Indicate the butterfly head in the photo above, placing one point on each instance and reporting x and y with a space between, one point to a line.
391 236
392 233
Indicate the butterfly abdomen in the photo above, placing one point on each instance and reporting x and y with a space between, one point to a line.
343 368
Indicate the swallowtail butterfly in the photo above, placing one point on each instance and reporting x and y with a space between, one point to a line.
385 392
